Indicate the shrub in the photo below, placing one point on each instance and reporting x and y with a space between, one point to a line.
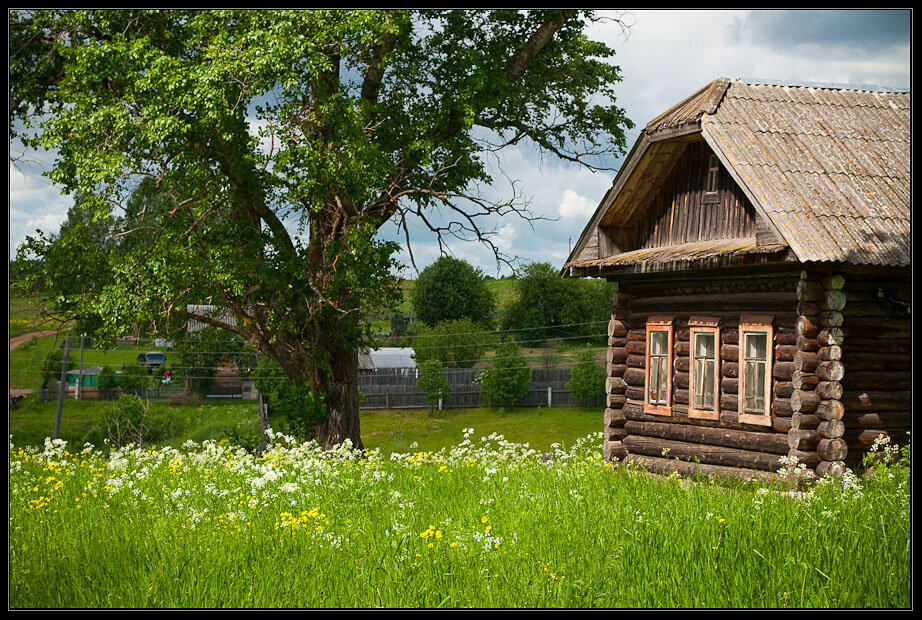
294 409
587 377
432 382
507 379
129 421
456 344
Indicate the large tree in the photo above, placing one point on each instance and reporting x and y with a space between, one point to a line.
285 140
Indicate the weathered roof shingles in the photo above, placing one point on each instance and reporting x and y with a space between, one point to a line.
829 166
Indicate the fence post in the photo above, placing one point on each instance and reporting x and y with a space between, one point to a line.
550 396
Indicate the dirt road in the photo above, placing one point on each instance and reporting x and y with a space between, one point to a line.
18 340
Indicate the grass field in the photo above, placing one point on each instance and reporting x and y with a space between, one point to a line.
483 524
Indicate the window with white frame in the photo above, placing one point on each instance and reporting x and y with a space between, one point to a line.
755 359
713 174
658 379
704 369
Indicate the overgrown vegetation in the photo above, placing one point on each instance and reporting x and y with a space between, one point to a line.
486 523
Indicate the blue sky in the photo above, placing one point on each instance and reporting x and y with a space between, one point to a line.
664 56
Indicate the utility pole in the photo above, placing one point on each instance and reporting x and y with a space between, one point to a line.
79 390
62 387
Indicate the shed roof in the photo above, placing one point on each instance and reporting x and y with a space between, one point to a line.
828 167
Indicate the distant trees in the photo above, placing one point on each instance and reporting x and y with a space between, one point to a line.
456 344
450 289
507 379
587 377
548 306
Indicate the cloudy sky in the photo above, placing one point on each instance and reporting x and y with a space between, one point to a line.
664 57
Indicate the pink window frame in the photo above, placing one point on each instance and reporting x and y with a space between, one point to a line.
696 326
758 325
659 324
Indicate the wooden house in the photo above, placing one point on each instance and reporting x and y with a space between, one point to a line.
758 236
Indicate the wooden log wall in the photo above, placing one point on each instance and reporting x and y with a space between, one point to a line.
615 386
816 432
712 445
876 358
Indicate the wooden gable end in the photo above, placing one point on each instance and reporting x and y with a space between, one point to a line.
663 201
682 210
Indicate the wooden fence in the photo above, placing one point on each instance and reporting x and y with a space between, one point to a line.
397 389
385 389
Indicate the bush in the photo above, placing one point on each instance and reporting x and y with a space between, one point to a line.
107 379
456 344
135 379
297 410
432 382
51 368
128 420
507 379
587 377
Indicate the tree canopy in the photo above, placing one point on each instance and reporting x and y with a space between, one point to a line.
451 289
547 306
280 142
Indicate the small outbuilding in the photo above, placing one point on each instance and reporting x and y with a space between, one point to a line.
758 236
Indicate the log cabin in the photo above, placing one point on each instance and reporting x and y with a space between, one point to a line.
758 236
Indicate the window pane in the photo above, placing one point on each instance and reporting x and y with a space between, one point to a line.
661 386
707 394
755 346
704 345
659 342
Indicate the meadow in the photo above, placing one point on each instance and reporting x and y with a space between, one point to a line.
483 523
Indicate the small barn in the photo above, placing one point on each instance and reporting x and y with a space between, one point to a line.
758 236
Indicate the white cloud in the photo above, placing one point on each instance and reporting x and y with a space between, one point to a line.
575 206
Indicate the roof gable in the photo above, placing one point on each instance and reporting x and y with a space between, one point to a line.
826 169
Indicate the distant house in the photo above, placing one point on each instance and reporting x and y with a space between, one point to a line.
90 377
391 359
758 236
217 313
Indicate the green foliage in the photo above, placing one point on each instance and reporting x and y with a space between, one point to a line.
508 378
366 119
432 382
580 306
293 409
456 344
451 289
128 421
52 366
134 378
203 351
587 377
107 378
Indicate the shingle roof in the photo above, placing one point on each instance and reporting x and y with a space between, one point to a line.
829 166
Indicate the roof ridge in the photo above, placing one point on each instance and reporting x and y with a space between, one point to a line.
872 88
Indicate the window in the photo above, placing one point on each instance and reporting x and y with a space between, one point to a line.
658 379
713 174
704 369
755 370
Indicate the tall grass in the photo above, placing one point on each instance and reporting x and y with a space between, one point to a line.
486 523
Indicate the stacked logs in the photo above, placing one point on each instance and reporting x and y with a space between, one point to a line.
876 394
677 442
615 386
817 429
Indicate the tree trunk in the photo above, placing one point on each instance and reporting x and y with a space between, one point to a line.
342 400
